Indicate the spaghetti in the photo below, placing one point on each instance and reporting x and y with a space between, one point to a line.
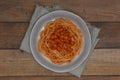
60 41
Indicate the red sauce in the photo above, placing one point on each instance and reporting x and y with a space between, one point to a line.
61 40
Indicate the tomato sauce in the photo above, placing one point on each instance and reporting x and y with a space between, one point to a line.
61 40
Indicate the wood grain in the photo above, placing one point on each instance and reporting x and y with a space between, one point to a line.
63 78
104 63
92 10
11 35
109 35
17 63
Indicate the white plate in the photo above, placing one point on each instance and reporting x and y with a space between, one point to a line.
34 37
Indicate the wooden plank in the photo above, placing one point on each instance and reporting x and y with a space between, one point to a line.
17 63
109 35
63 78
102 61
92 10
11 35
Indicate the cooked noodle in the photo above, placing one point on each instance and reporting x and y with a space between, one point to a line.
60 41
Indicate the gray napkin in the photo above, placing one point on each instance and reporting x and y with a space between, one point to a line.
39 11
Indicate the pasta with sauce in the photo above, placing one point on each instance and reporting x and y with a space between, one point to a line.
60 41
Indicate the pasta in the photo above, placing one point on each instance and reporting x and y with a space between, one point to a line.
60 41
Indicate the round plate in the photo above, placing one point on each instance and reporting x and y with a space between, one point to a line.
45 62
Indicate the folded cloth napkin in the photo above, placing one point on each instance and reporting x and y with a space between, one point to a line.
39 11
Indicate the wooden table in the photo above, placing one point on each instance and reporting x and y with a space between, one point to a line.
104 64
